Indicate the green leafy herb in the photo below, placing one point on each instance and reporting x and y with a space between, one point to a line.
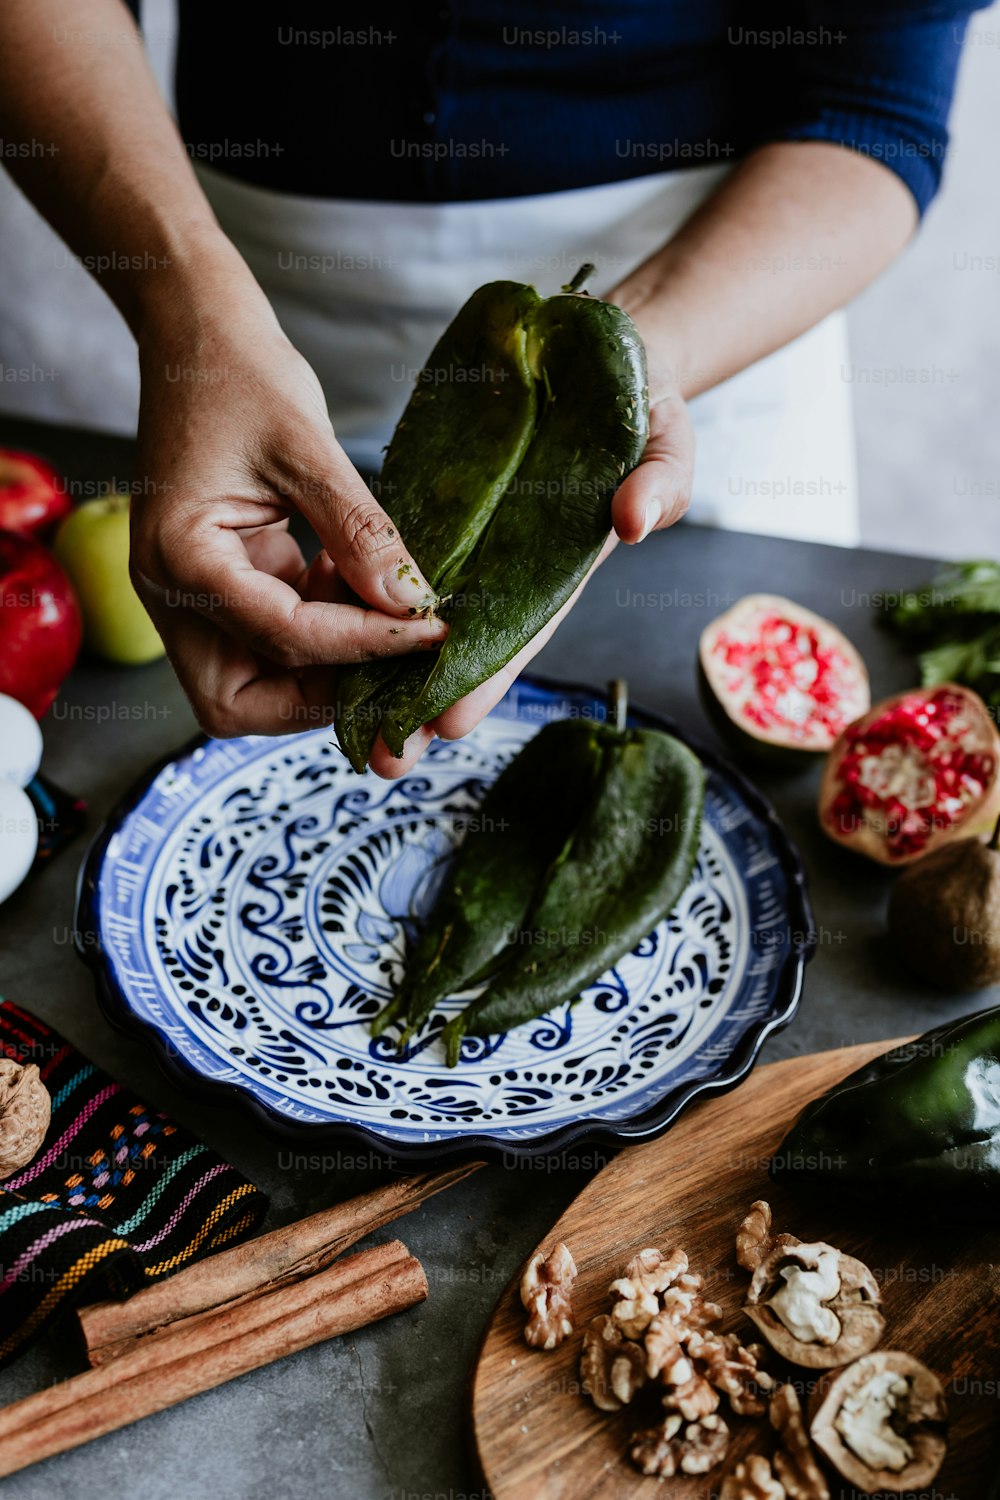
954 622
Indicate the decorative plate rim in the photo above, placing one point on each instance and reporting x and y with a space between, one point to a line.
592 1130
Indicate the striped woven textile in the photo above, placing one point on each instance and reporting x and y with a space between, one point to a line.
117 1197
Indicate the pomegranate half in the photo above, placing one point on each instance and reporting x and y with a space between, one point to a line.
779 681
916 771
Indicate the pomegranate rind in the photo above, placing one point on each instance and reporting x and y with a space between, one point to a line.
779 681
888 833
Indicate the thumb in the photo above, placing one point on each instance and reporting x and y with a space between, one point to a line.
658 491
362 539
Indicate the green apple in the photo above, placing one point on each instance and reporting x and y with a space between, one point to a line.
92 545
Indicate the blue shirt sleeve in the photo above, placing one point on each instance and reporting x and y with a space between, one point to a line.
878 80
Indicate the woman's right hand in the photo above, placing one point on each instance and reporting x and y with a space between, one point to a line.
233 437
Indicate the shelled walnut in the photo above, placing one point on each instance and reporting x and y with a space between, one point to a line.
637 1291
754 1240
686 1390
658 1307
815 1305
673 1447
25 1111
546 1291
753 1479
612 1368
733 1370
795 1463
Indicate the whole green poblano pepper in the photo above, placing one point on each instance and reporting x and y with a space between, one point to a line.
500 475
918 1129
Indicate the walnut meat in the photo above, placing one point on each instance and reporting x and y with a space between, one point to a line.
733 1370
814 1305
754 1240
672 1448
546 1290
637 1291
752 1480
882 1423
794 1462
25 1111
612 1368
687 1309
686 1390
662 1344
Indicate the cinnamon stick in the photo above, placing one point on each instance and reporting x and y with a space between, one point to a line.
176 1363
260 1265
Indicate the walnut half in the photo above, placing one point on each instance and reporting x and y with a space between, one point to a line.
794 1462
25 1111
638 1290
815 1305
733 1370
882 1423
752 1480
754 1240
546 1289
612 1368
672 1448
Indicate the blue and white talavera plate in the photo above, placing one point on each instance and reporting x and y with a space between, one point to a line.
247 911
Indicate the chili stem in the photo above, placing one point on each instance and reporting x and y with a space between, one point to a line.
581 276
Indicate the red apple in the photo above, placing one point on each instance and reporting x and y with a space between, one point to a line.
40 627
33 498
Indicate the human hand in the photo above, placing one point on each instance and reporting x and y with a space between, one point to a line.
233 437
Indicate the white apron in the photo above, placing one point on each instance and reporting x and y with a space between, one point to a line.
364 289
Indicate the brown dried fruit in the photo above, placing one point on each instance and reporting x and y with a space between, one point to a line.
882 1423
546 1290
816 1306
637 1291
796 1466
752 1480
25 1111
754 1240
669 1448
612 1368
733 1370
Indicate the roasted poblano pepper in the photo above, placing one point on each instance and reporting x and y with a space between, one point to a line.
511 841
917 1129
581 846
499 476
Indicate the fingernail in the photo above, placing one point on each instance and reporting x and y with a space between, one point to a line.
427 635
650 519
405 586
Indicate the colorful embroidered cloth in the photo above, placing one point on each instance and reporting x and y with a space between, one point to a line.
117 1197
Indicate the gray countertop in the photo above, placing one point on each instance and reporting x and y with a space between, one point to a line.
381 1415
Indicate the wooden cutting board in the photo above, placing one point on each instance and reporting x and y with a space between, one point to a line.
539 1438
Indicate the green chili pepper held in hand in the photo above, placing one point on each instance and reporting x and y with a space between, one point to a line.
917 1128
515 833
623 868
454 451
502 489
